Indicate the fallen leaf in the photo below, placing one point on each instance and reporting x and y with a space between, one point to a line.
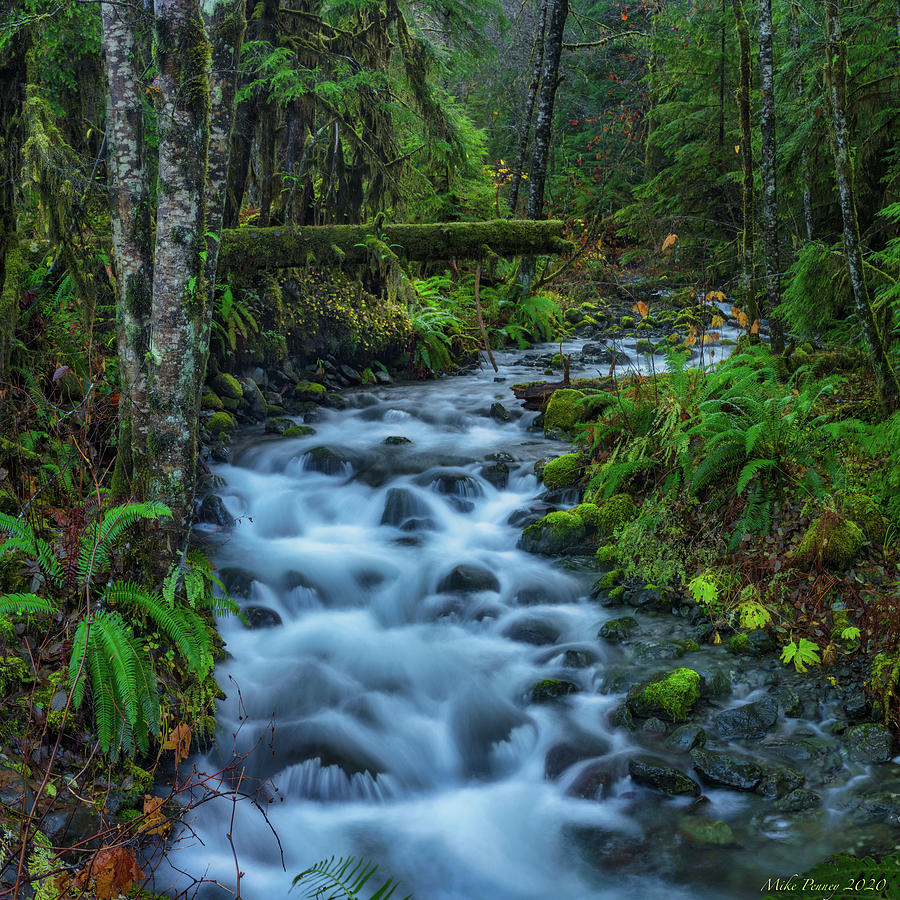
179 740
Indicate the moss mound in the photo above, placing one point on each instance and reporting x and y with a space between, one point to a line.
211 401
863 511
833 539
227 386
615 512
563 410
563 472
671 696
555 533
309 390
220 423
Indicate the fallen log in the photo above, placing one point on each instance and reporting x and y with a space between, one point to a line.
247 249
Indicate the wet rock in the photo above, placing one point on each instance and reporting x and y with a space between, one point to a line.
532 596
870 743
593 783
522 518
325 460
750 720
466 579
656 651
702 831
670 696
725 769
238 582
350 374
789 701
499 412
812 755
382 377
406 510
654 728
534 632
641 597
777 781
621 717
608 850
653 772
618 629
856 706
714 684
260 617
685 738
497 474
456 485
309 392
213 512
396 439
880 807
256 402
579 659
556 533
14 789
552 689
799 800
563 756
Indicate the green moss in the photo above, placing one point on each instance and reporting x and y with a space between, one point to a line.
557 532
226 385
607 554
864 512
627 321
740 643
551 689
672 696
13 671
230 404
610 579
563 411
220 423
701 831
309 390
589 515
643 346
211 401
558 359
833 539
615 512
298 431
617 592
563 472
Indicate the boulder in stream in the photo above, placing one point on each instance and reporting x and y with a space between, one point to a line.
466 579
670 696
870 743
748 721
656 773
726 769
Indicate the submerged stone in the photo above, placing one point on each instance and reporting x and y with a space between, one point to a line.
467 579
702 831
656 773
552 689
750 720
726 769
870 743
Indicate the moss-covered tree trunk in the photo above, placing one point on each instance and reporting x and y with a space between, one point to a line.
836 83
743 102
769 180
129 194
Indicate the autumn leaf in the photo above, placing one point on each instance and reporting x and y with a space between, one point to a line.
112 870
180 741
754 328
155 820
717 321
669 242
710 337
737 148
641 308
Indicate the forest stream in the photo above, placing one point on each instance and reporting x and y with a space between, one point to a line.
385 688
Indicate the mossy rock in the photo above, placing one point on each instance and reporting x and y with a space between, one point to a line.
230 404
607 555
13 671
309 390
572 315
220 423
298 431
702 831
833 539
864 512
273 409
562 472
564 411
552 689
211 401
279 425
615 512
644 346
589 515
670 696
627 321
555 533
227 386
610 580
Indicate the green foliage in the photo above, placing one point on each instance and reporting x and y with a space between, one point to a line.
232 319
802 654
343 878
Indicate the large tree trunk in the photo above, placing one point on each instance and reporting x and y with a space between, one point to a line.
743 101
537 55
168 424
129 196
804 154
549 81
836 82
770 191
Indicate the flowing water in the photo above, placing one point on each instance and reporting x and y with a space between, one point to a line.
390 709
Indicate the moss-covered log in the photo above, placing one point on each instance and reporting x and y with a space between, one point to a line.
262 248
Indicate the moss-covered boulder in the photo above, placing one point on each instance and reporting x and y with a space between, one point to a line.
562 472
310 391
551 689
702 831
278 424
220 423
211 401
833 539
556 533
613 513
627 321
864 512
564 411
298 431
227 386
671 696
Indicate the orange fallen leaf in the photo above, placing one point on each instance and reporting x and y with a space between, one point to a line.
179 740
155 820
669 242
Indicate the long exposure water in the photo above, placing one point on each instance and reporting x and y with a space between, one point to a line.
390 709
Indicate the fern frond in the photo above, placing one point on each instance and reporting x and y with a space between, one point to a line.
343 878
750 470
21 604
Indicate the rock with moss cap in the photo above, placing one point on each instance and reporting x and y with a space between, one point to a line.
702 831
562 472
220 423
227 386
864 512
211 401
564 411
552 689
833 539
671 696
556 533
310 391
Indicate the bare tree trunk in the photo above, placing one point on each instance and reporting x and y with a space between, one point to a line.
652 64
180 288
836 83
124 32
770 186
804 155
537 54
743 101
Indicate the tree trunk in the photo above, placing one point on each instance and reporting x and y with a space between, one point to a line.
180 290
743 101
804 155
770 190
836 83
549 81
129 196
537 54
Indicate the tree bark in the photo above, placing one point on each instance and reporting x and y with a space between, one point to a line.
180 289
129 194
836 83
537 53
770 185
804 154
743 102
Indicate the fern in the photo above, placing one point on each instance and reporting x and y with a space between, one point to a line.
20 604
343 878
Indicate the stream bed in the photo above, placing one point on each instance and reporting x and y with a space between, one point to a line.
385 689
